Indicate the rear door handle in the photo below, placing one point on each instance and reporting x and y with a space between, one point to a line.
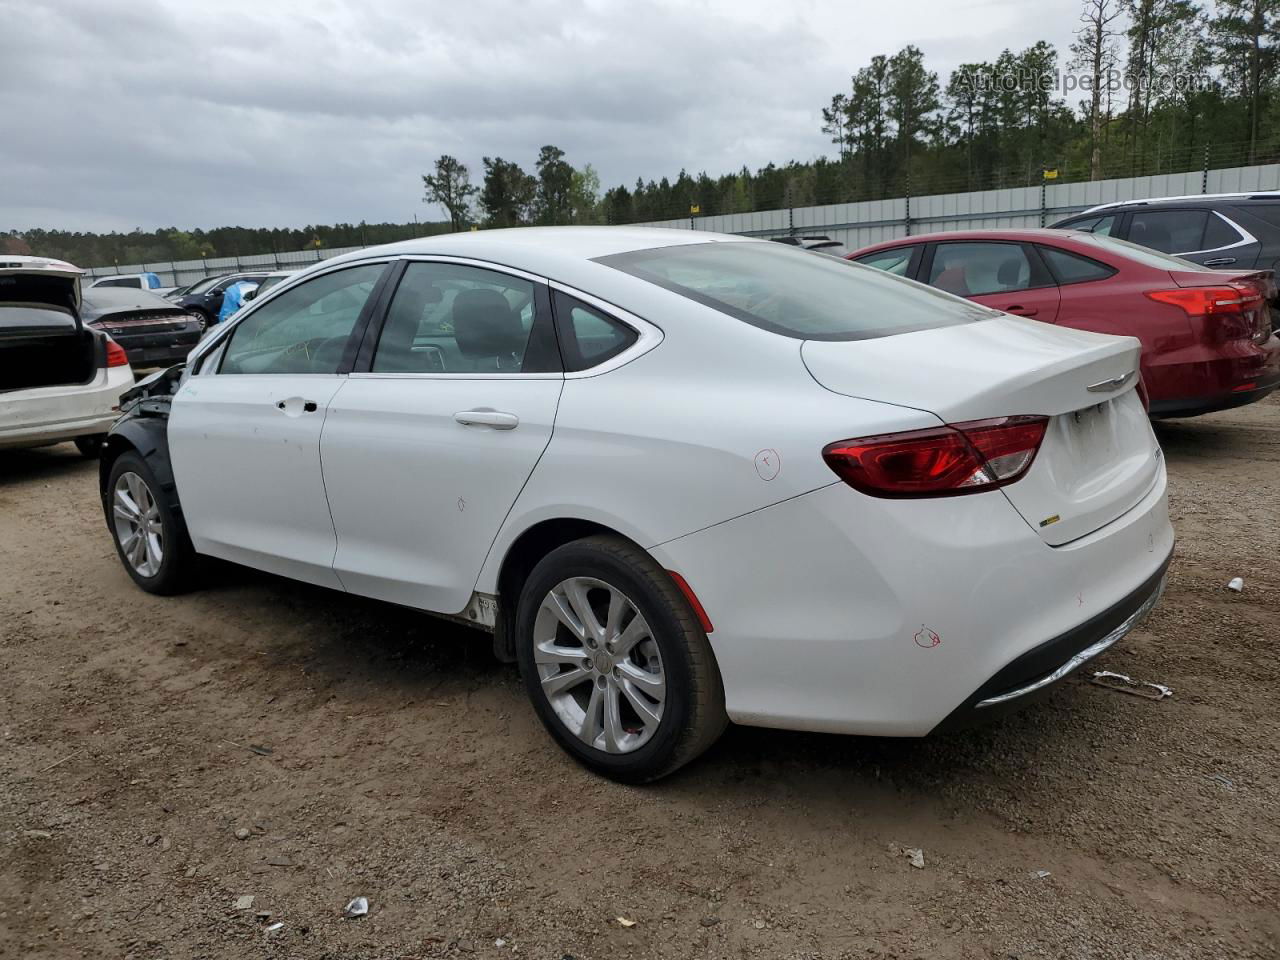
1022 311
1220 262
487 418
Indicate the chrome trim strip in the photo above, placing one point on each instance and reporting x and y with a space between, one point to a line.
1088 653
1109 386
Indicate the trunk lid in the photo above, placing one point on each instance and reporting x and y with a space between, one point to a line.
1259 321
1099 456
42 339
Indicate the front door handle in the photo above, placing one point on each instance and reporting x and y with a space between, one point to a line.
1220 262
1022 311
308 406
487 418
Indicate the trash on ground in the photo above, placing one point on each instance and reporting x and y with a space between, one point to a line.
245 902
1041 874
260 750
1123 684
915 856
275 926
279 861
1236 584
1222 781
500 943
242 833
356 908
263 915
623 921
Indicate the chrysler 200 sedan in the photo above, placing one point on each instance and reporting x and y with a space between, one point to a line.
684 479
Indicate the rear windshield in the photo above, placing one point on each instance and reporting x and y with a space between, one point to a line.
1144 255
795 293
22 320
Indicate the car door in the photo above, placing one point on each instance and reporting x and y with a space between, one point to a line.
430 442
1006 275
244 432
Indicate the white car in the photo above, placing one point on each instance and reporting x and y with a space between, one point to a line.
133 281
684 478
59 379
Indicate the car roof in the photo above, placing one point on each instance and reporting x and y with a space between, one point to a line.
541 249
1025 235
1191 199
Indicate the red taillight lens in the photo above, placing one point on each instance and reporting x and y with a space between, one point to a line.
116 357
943 461
1238 307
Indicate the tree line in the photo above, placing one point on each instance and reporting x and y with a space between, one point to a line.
1148 86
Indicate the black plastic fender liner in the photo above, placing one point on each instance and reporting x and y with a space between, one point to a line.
148 434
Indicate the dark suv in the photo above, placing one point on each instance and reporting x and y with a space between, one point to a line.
205 297
1236 230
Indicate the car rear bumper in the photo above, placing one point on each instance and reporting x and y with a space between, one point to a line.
1250 391
835 612
32 418
1035 673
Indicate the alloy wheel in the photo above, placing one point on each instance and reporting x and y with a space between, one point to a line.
138 525
599 665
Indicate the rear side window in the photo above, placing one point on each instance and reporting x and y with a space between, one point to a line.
1169 231
453 318
122 282
900 261
588 337
793 293
1145 255
1219 233
974 269
1072 268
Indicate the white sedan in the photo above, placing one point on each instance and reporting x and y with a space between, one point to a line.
683 478
59 379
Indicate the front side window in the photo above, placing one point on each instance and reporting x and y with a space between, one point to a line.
975 269
453 318
900 261
1169 231
793 293
588 337
304 330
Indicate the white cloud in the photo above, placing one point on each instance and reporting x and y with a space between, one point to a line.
159 112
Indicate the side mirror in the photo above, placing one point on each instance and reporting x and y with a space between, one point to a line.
251 294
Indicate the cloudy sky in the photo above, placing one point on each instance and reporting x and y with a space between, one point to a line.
117 114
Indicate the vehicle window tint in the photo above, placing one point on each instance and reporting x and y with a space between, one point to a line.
122 282
974 269
900 261
304 330
1072 268
1219 233
1169 231
587 336
451 318
203 286
794 293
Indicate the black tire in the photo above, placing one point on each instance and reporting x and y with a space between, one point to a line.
693 714
177 568
90 447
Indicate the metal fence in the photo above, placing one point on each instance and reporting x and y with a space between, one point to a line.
854 224
870 221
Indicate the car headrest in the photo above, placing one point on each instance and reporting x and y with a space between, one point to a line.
953 280
1010 272
484 325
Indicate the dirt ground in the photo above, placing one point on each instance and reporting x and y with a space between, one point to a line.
368 751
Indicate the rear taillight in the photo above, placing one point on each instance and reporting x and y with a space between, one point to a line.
116 357
1237 308
938 462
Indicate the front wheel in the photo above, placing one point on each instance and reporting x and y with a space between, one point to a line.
151 540
617 666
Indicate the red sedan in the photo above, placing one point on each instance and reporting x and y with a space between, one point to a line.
1207 342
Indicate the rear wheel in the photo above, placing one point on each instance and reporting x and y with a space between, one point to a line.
91 446
150 539
616 664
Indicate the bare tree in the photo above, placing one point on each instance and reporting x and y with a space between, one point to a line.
450 186
1092 50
